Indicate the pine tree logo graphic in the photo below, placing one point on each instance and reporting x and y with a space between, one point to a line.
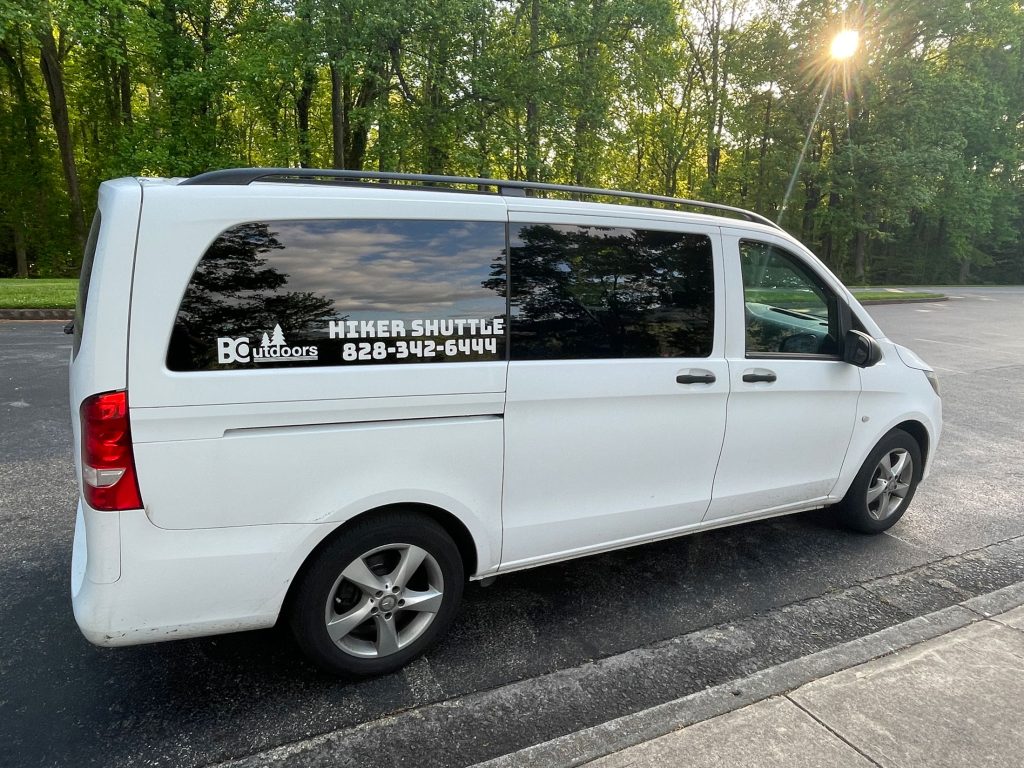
278 338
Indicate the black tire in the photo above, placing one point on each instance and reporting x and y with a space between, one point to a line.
867 509
391 634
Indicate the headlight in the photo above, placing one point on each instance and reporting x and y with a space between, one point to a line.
933 380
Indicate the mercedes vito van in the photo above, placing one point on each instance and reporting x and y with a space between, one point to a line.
330 397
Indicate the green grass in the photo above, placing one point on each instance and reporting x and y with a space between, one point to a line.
880 294
784 297
18 293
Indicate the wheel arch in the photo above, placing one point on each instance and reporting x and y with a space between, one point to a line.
913 424
919 432
452 525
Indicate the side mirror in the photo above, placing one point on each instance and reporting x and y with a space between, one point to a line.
860 349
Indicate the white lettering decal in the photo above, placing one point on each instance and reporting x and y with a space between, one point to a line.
270 349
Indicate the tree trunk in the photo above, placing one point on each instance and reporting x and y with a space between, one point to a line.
714 149
20 251
302 107
16 68
53 74
965 271
371 89
304 101
435 153
860 244
532 107
584 159
337 118
762 153
124 84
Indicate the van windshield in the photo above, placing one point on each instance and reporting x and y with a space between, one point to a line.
83 281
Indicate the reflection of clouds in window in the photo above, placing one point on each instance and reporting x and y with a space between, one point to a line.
300 275
395 267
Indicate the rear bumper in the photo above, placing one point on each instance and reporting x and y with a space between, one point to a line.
133 583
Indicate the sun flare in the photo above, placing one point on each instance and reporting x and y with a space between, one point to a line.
844 44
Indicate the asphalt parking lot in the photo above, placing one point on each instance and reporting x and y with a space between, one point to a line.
519 666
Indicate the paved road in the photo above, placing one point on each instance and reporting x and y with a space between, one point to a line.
196 702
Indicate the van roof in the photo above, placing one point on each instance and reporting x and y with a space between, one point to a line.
506 187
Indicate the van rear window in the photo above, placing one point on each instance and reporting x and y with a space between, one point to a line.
344 292
83 281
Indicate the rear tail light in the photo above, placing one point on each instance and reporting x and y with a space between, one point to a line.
109 481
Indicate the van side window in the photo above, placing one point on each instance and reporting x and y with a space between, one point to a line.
344 292
789 310
583 292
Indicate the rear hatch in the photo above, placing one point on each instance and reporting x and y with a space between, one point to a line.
99 357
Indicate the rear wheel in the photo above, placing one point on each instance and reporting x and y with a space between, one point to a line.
378 595
885 485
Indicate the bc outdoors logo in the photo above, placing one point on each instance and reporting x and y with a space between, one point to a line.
270 350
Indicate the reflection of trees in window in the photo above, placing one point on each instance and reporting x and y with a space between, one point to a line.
598 292
235 293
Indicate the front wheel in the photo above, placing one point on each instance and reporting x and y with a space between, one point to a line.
885 485
378 595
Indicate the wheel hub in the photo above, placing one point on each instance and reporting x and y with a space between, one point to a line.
388 603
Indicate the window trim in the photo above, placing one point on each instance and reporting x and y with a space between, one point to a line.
843 313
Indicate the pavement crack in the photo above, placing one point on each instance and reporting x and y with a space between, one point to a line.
832 730
996 620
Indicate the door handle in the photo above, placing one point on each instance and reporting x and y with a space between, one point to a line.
751 377
696 378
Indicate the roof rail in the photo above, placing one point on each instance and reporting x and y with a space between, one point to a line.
246 176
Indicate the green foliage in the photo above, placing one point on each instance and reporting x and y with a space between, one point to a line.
913 170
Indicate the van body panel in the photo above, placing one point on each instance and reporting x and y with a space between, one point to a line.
787 439
892 393
204 422
602 451
178 584
100 364
304 445
326 473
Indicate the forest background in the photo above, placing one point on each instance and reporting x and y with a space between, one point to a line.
913 172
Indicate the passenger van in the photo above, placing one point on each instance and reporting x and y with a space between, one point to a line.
330 397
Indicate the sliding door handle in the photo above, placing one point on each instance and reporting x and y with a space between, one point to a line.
751 377
702 377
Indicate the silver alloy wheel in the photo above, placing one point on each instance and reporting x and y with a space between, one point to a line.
890 483
384 600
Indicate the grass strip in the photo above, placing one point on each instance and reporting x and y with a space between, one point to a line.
18 293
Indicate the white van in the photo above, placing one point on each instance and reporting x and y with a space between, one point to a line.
330 397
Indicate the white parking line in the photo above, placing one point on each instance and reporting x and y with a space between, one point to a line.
976 347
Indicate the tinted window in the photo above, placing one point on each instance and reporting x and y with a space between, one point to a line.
606 292
305 293
83 281
788 309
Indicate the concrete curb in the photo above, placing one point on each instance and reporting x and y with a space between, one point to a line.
575 749
37 314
